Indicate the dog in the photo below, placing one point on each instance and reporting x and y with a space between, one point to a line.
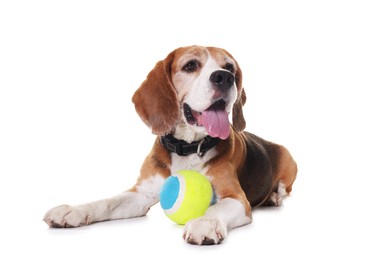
187 101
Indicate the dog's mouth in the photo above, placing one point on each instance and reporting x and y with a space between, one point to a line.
215 119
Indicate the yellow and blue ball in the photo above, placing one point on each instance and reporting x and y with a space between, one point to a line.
185 195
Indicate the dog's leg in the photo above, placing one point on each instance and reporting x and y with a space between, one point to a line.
133 203
212 228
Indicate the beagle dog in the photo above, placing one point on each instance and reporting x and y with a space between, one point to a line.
187 101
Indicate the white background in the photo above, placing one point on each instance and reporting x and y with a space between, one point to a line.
318 75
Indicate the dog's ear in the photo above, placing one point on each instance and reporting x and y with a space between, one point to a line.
238 116
156 99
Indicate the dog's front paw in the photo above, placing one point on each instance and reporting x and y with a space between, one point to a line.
65 216
204 231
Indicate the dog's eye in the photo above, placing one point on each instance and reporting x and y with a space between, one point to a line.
229 67
191 66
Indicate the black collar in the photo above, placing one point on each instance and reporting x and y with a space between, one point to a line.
183 148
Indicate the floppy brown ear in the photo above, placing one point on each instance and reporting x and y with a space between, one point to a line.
239 123
156 99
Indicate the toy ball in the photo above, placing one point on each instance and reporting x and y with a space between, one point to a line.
185 195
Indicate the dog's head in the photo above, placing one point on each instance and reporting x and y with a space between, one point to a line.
193 87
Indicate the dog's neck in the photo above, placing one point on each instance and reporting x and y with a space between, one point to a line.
185 132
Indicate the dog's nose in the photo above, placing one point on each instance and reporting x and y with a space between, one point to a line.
222 79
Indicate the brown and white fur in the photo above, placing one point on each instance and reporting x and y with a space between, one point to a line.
245 170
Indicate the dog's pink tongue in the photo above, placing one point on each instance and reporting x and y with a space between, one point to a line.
216 122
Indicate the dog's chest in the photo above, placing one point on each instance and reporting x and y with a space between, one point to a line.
191 162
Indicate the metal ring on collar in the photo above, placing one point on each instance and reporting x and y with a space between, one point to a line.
199 153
